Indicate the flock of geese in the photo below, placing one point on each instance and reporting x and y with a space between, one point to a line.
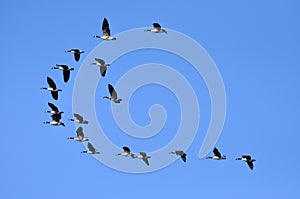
56 114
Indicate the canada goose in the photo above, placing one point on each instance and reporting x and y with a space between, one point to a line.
103 66
105 31
181 154
126 152
144 157
248 159
56 120
91 150
52 88
66 71
76 53
80 135
156 29
54 109
79 119
217 155
113 94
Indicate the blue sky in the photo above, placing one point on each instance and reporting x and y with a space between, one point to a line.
255 46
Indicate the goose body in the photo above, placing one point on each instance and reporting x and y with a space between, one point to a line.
113 94
91 149
105 31
66 71
76 53
217 155
80 135
52 88
248 160
103 66
181 154
156 29
78 119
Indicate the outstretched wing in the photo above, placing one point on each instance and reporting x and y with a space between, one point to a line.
56 117
54 95
105 27
66 74
112 92
78 117
100 61
217 153
91 147
77 56
126 149
51 83
250 164
79 132
103 70
248 157
53 107
183 157
156 25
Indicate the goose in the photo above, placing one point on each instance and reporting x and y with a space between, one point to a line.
76 53
103 66
54 109
56 120
66 71
91 150
144 157
79 119
156 29
248 159
126 152
52 88
180 153
217 155
105 31
113 94
80 135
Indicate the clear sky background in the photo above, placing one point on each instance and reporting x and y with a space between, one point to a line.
255 45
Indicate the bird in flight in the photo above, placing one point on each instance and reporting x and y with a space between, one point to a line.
66 71
52 88
105 31
180 153
78 119
56 120
248 160
113 94
80 135
156 29
91 149
103 66
76 53
217 155
126 152
144 157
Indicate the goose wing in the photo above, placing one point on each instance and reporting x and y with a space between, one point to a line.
103 70
105 27
145 158
78 117
112 92
100 61
250 164
77 56
66 74
54 95
217 153
53 107
126 149
79 132
157 26
183 157
91 148
51 83
56 117
247 157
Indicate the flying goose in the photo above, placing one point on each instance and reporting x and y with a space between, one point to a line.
55 120
79 119
217 155
91 149
76 53
66 71
105 31
52 88
248 159
126 152
54 109
144 157
180 153
80 135
156 29
103 66
113 94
